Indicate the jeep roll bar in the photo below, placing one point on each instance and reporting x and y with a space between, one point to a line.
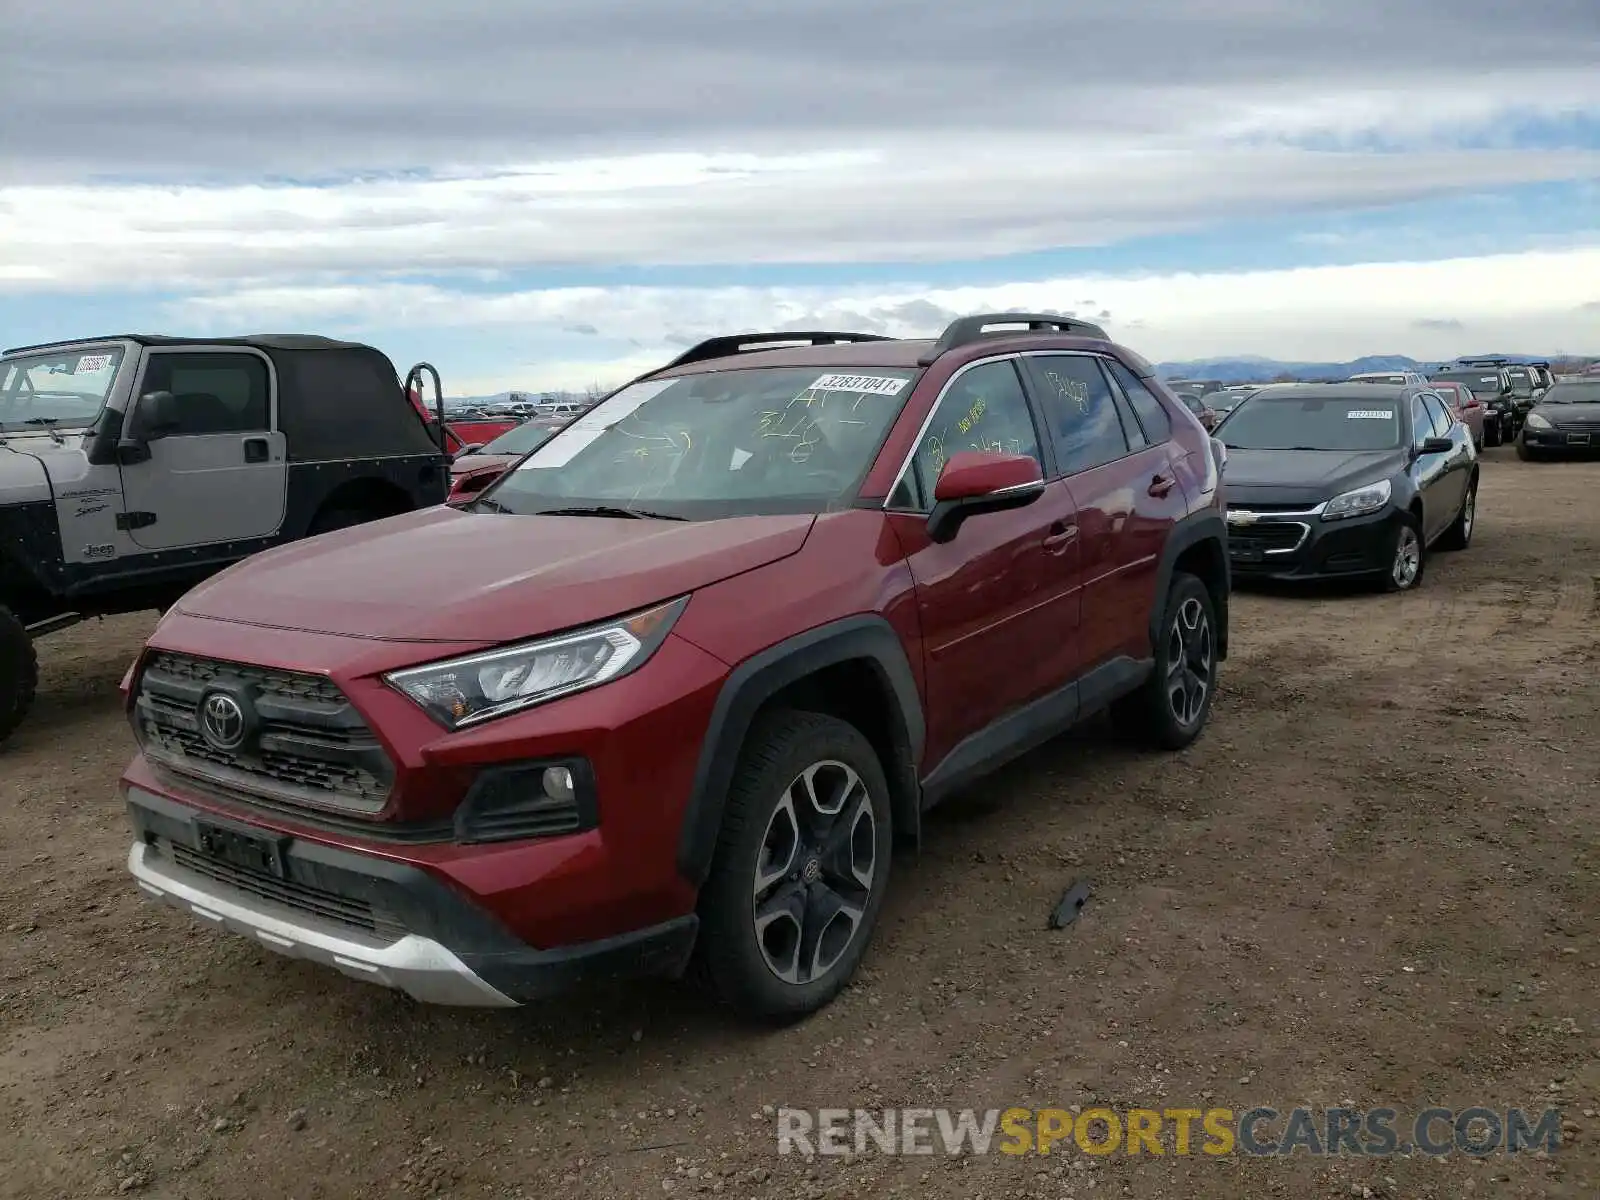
414 376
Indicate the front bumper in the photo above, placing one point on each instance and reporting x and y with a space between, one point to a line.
1563 441
1301 545
373 918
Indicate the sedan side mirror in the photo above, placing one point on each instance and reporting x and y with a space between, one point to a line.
981 481
1436 445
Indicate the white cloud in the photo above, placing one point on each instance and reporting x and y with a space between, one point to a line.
903 200
1542 301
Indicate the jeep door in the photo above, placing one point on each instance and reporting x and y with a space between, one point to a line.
1124 481
219 474
998 603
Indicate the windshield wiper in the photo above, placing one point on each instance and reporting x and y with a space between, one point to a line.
50 424
608 510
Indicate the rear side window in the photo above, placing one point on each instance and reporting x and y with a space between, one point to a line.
213 393
1079 411
1157 424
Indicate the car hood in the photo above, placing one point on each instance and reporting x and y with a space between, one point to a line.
1304 476
446 575
474 464
1566 414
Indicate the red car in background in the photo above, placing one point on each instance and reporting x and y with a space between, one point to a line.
459 435
474 470
1467 408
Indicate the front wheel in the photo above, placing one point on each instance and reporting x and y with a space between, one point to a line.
1406 556
19 672
801 867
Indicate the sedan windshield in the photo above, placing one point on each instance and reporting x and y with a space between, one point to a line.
1574 391
66 388
530 435
1312 423
725 443
1480 383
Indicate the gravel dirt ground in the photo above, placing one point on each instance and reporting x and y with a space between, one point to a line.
1375 879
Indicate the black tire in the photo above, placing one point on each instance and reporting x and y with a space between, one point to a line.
1186 654
1459 535
780 750
1491 432
19 672
341 518
1393 578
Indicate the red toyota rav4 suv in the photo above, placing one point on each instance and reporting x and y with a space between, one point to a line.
697 663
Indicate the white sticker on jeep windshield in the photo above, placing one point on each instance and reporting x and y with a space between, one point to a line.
1370 414
876 385
90 363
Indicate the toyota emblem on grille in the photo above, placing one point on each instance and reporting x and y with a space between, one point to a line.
222 721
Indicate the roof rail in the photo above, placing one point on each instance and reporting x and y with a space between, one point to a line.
744 343
966 330
1485 360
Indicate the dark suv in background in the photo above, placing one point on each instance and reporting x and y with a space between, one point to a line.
700 660
1492 386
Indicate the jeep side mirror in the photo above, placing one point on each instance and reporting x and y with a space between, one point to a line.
981 481
154 416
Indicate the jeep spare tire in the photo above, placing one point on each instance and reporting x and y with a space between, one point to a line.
19 672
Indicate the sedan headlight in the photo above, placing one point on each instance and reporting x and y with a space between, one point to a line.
1357 503
1538 421
464 691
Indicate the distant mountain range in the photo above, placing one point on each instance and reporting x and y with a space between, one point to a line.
1249 369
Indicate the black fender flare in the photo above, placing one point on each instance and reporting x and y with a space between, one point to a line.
867 638
1189 531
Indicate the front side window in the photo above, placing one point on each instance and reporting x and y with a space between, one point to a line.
1438 416
65 388
984 408
717 444
1312 422
212 393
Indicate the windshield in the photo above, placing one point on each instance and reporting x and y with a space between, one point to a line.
725 443
57 388
1479 383
1574 391
1311 423
525 437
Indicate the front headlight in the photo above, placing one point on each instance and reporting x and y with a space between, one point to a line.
1357 503
1537 421
463 691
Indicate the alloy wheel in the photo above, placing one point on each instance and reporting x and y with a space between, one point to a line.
815 872
1469 513
1407 557
1189 662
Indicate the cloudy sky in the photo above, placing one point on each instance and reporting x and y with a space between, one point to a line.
545 194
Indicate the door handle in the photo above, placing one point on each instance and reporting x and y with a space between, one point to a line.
1060 537
256 450
1162 484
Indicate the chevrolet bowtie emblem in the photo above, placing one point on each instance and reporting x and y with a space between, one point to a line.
1241 517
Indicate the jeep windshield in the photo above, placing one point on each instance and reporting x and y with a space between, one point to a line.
1312 423
759 441
56 388
1521 383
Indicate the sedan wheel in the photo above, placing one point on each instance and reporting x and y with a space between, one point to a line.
1407 564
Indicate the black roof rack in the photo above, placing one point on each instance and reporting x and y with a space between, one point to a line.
1485 360
745 343
966 330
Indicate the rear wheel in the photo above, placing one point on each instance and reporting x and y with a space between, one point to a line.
1491 432
19 672
1170 710
801 867
1459 535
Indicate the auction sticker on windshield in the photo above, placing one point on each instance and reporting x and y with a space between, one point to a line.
1370 414
877 385
90 363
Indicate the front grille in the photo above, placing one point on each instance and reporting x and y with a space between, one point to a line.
1268 535
351 912
1579 426
1253 506
311 746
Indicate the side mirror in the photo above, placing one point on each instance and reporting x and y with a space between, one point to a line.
154 416
1436 445
981 481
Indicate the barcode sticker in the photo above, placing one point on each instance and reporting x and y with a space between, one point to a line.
1370 414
